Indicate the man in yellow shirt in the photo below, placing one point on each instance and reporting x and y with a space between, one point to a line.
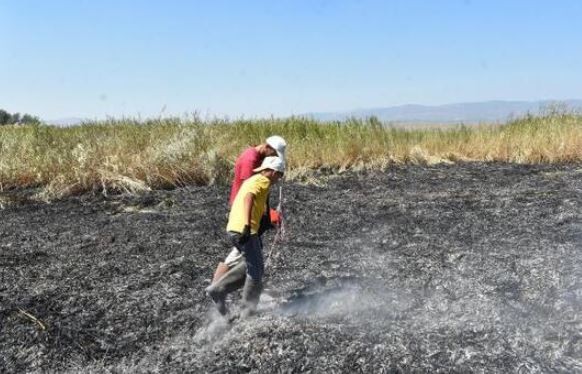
246 162
242 229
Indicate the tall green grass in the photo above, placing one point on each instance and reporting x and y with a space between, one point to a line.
130 155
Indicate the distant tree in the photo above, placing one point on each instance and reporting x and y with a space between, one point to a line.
4 117
28 119
8 119
15 118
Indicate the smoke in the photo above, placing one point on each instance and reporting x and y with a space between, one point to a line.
530 298
349 300
213 330
334 302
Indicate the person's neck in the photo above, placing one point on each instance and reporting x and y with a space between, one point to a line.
261 149
268 176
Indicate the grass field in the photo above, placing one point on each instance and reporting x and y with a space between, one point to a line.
131 155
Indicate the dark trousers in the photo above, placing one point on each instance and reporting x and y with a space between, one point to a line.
253 253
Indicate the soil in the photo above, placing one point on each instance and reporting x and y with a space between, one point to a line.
454 268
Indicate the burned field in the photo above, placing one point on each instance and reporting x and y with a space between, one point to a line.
464 268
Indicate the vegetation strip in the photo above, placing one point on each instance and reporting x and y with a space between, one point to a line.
130 155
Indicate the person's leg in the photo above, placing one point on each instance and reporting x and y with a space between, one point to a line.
254 273
233 258
229 282
251 295
221 269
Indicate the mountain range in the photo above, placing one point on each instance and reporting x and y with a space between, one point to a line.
68 121
470 113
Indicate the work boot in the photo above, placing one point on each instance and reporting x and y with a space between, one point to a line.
229 282
219 300
250 296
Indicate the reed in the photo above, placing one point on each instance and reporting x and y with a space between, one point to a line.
130 155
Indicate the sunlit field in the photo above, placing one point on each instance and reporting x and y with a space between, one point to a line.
126 155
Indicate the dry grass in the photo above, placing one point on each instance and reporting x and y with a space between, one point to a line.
128 155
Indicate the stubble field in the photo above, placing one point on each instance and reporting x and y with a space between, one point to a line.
474 267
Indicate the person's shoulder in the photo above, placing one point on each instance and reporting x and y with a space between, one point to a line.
248 157
250 152
244 154
259 180
262 180
256 178
250 180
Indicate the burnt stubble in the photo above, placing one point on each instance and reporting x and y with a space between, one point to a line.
454 268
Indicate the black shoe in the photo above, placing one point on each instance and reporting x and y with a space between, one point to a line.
248 312
219 302
233 318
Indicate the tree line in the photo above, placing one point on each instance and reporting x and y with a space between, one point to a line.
7 118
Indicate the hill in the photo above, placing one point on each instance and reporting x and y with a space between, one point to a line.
476 112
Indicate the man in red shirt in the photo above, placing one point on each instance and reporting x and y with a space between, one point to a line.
252 158
246 162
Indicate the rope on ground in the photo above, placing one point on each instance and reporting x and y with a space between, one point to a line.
279 233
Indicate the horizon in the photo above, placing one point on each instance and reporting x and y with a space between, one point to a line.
260 59
362 113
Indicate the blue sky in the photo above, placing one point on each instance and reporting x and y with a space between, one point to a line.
102 58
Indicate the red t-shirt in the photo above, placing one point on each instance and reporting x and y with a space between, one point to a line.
243 169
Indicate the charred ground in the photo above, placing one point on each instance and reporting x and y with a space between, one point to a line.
464 268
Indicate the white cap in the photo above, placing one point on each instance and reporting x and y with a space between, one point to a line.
278 144
273 163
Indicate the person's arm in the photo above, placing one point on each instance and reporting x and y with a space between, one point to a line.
248 207
247 212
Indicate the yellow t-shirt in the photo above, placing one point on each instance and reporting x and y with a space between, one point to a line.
258 185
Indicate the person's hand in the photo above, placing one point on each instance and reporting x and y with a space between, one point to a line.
275 217
245 235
